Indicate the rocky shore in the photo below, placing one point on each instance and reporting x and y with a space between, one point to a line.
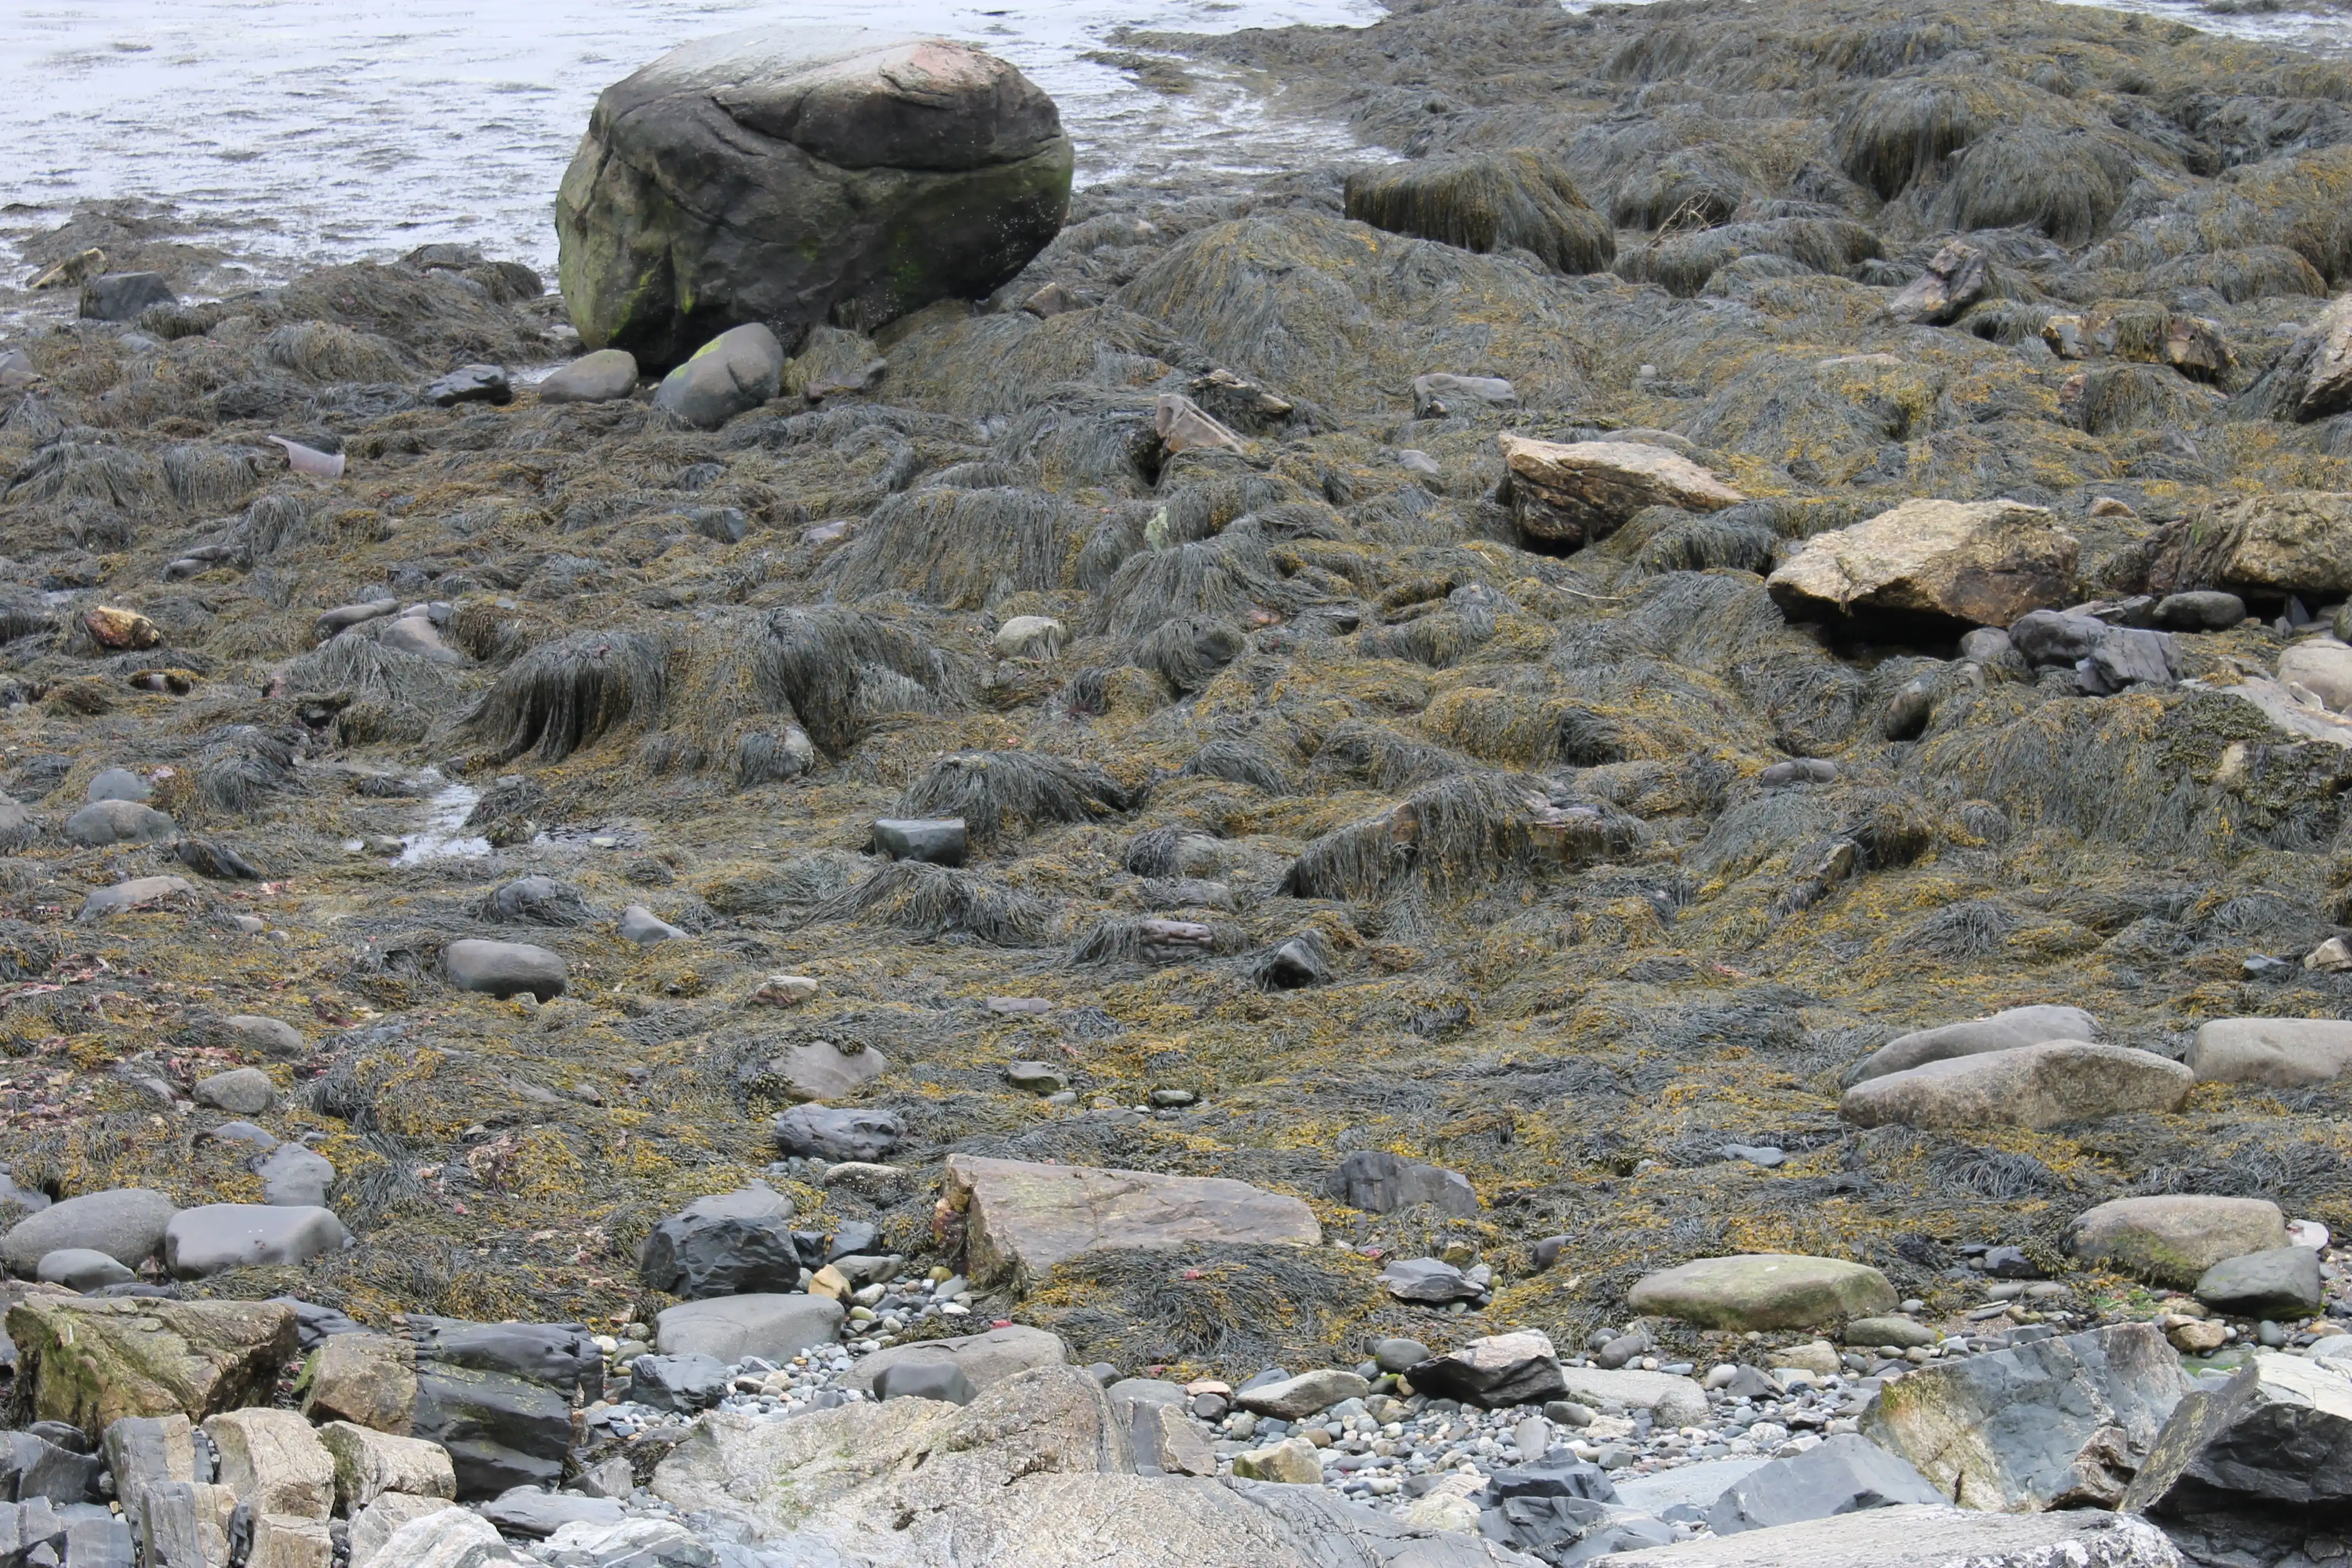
1623 840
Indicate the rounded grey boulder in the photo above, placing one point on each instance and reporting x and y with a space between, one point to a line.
126 1224
732 374
773 1327
105 822
244 1091
295 1177
119 784
504 969
793 175
605 377
857 1136
80 1269
271 1034
206 1240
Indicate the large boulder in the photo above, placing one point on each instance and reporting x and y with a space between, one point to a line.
208 1239
1944 563
2277 1053
2321 666
91 1363
127 1224
2279 1282
772 1326
983 1359
791 175
2276 1438
2047 1085
2001 1031
1846 1475
1021 1218
500 1397
1583 491
732 374
1378 1181
504 969
2261 548
724 1245
1919 1536
2056 1422
2174 1239
1764 1291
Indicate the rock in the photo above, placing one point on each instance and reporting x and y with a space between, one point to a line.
1036 1077
939 841
1398 1354
865 1136
1184 425
1916 1536
1846 1475
626 1543
373 1525
2173 1239
413 631
499 1397
1763 1291
1956 277
2040 1086
31 1467
112 626
793 176
605 377
2276 1053
2002 1031
2280 1282
2327 387
1583 492
1294 1398
819 1070
503 969
2265 546
773 1327
1294 1461
1380 1183
2054 1423
1020 1218
983 1359
2200 610
105 822
1674 1401
91 1363
2321 666
445 1538
295 1177
732 374
80 1269
205 1240
288 1540
1495 1372
269 1035
940 1380
1052 299
1903 1333
724 1246
363 1380
2125 656
137 893
2272 1441
273 1463
1440 395
126 1224
642 926
1819 1357
685 1384
241 1092
118 783
471 384
1941 562
122 296
1428 1280
1031 636
786 991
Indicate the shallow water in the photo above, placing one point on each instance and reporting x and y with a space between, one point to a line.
444 834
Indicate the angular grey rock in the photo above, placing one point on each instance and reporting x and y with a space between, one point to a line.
732 374
984 1359
1440 395
1956 277
526 1510
137 893
270 1034
1495 1372
80 1269
2200 610
2002 1031
1036 1077
2056 1422
861 1136
2126 657
471 384
118 783
498 1397
1378 1181
940 1380
1428 1280
938 840
215 1236
798 175
2057 638
1918 1536
1846 1475
127 1224
642 926
1021 1218
2281 1282
503 969
604 376
773 1327
685 1384
32 1467
819 1070
122 296
724 1245
105 822
241 1092
2277 1436
295 1177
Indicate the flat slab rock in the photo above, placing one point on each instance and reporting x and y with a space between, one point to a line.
2031 1086
983 1358
1981 563
1764 1291
1580 492
2002 1031
2277 1053
1022 1218
1924 1536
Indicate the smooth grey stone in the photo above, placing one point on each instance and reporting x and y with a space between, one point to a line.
295 1177
724 1245
605 377
642 926
2029 1025
864 1137
1427 1281
504 969
1547 1252
938 840
471 384
526 1510
1398 1354
121 296
1755 1154
1378 1181
81 1268
684 1384
1909 710
2200 610
1985 645
2281 1281
1155 1391
343 616
1846 1474
1441 396
732 374
2126 657
2061 638
771 1326
27 1200
105 822
1796 771
1701 1483
819 1070
133 894
127 1224
536 900
205 1240
119 784
940 1380
241 1092
1037 1077
279 1039
315 1324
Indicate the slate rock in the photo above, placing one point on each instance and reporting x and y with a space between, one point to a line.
561 1356
2280 1282
216 1236
1557 1473
604 376
32 1466
105 822
127 1224
504 969
940 1380
529 1511
501 1431
732 374
241 1092
1493 1373
1919 1536
1429 1281
685 1384
1845 1474
123 296
81 1268
471 384
983 1359
2002 1031
2276 1438
724 1245
864 1137
939 841
1378 1181
773 1327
